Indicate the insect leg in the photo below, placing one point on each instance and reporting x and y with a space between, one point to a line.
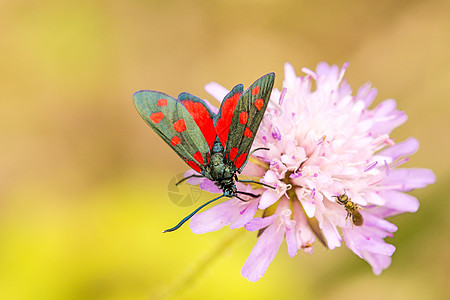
186 178
191 214
261 148
252 181
248 194
243 200
349 214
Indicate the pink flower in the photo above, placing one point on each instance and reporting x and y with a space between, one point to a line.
323 143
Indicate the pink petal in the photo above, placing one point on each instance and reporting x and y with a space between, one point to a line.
327 72
367 94
260 223
350 242
371 220
217 91
378 262
385 108
270 177
263 253
246 214
215 218
387 118
386 126
399 150
291 241
203 182
208 185
289 75
252 169
409 179
193 180
331 234
305 235
400 201
308 206
267 199
370 240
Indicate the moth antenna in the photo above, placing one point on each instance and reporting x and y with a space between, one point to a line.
191 215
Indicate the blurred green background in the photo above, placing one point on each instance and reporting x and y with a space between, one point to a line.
83 180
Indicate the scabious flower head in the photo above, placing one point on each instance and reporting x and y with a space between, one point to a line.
323 143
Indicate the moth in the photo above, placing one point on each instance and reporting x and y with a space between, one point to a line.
217 146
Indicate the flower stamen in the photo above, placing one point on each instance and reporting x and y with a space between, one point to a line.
283 93
400 162
276 134
387 170
321 140
370 166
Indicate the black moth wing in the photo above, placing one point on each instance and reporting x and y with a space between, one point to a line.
252 103
173 123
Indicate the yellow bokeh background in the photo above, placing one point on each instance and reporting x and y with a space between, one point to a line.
83 180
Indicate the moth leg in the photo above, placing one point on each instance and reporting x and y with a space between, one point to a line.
186 178
243 200
261 148
248 194
256 182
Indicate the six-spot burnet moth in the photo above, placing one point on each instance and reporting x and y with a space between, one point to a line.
215 145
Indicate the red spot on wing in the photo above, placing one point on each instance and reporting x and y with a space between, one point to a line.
256 90
240 160
226 115
175 141
162 102
179 125
199 157
156 117
233 153
194 166
248 133
203 120
243 117
259 103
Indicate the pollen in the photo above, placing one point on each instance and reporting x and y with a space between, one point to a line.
321 140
